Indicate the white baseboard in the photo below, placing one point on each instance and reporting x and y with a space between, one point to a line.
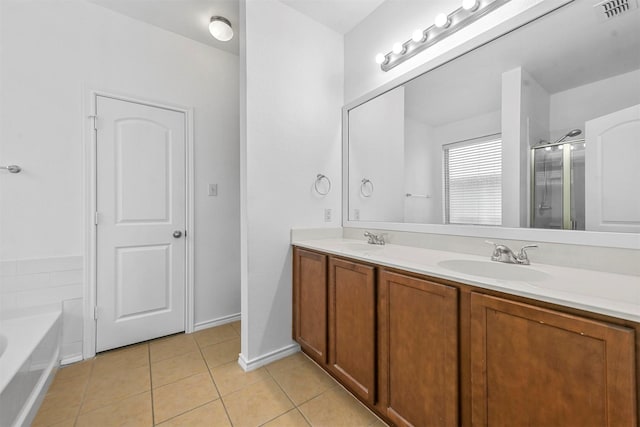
265 359
216 322
71 359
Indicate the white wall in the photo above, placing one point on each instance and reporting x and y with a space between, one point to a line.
376 153
291 119
470 128
53 52
420 174
571 108
525 121
534 126
511 150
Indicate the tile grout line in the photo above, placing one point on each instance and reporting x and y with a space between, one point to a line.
185 412
153 411
296 407
214 382
113 402
216 343
85 391
336 385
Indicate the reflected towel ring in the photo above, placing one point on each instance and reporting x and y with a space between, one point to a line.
12 168
366 190
319 178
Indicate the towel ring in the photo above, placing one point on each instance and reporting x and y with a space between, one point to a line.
366 190
319 178
12 168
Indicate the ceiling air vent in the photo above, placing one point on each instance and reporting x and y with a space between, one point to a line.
611 8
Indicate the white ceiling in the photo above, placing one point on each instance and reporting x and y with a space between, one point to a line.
564 50
190 18
339 15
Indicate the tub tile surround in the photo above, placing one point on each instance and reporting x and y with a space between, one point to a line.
602 280
146 384
31 283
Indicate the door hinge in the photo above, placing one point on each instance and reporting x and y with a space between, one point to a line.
94 120
95 312
95 218
185 233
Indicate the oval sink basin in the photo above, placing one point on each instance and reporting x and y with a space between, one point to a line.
495 270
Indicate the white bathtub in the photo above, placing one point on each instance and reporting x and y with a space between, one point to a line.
29 358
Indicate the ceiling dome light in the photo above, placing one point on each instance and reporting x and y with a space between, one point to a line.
380 58
418 36
398 48
442 20
220 28
471 5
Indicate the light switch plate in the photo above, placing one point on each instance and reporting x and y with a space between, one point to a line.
213 189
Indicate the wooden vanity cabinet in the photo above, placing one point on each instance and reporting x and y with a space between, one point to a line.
352 326
532 366
428 352
310 303
418 351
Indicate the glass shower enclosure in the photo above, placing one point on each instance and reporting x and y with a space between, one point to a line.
558 185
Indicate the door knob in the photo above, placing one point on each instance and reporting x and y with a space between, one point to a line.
177 234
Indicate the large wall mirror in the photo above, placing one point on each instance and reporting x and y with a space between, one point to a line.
539 128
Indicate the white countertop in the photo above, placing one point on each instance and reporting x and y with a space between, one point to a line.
612 294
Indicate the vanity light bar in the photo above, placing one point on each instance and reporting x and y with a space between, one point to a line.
445 25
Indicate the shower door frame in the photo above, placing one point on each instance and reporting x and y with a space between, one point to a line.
566 178
90 209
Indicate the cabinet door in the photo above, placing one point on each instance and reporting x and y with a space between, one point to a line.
536 367
418 365
352 305
310 303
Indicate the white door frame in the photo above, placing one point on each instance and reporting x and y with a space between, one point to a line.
90 190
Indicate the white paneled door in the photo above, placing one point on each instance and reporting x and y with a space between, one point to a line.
141 218
612 172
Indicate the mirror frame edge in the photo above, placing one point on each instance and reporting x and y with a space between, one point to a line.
572 237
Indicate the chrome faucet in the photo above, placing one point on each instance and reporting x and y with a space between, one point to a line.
374 239
502 253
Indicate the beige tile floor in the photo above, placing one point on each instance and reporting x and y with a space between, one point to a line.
195 380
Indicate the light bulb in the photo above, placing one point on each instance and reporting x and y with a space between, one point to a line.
470 5
547 148
397 48
418 36
380 58
442 20
220 28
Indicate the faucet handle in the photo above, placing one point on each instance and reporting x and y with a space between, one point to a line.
524 248
522 255
523 251
495 256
